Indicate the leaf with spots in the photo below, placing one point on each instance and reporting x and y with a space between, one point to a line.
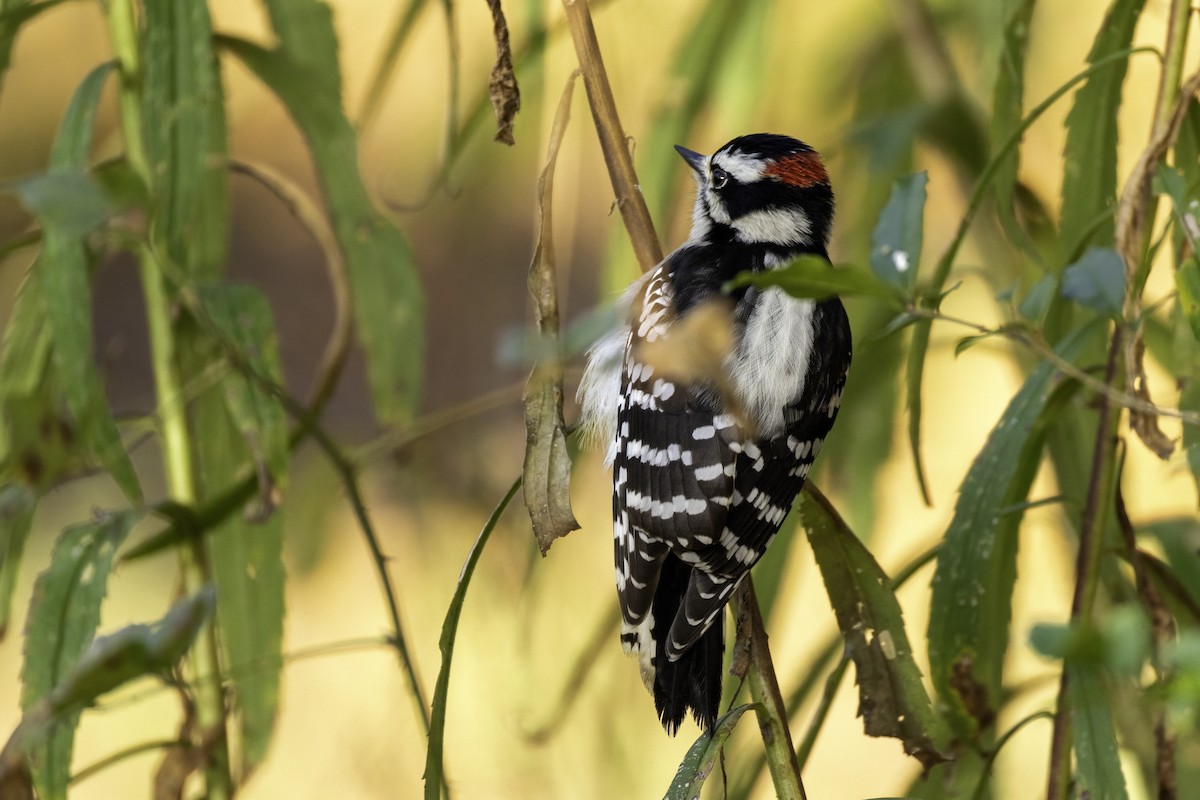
69 204
62 621
892 699
976 566
107 663
896 241
1093 734
701 757
246 550
547 474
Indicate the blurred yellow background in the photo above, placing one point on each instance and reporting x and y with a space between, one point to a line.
347 727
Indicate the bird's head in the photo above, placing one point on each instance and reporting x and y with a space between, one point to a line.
762 189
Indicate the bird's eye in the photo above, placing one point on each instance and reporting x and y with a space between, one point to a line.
719 178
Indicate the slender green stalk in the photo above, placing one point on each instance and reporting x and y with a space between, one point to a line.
435 777
177 450
764 689
1087 565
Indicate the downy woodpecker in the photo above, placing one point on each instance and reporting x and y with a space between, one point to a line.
698 494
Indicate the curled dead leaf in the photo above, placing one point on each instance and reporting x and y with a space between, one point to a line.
502 86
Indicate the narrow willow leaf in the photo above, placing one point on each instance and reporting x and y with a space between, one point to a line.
131 652
24 357
1189 400
814 277
62 621
547 470
185 140
389 307
1089 185
435 771
1092 733
1007 104
896 241
1096 281
976 566
63 274
701 757
14 14
17 504
243 316
107 663
246 556
892 699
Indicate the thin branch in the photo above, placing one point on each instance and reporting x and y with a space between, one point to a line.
309 214
1087 565
764 689
1114 395
121 755
347 472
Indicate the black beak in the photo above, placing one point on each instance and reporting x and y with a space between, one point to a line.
697 161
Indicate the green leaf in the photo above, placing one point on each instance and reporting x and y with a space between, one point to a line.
896 242
1120 641
1089 185
892 698
976 567
1007 103
62 269
109 662
435 777
1187 287
1037 303
62 621
1097 281
17 504
243 316
246 555
701 757
183 104
388 301
131 652
1093 735
1189 400
71 202
814 277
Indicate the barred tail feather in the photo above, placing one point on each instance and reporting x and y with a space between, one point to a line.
693 681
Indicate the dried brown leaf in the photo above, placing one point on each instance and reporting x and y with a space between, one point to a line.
547 480
1130 233
502 86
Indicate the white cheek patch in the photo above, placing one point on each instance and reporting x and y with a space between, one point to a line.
741 167
780 226
716 208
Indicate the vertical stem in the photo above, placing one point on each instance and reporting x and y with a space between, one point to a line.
764 689
612 137
203 664
1087 565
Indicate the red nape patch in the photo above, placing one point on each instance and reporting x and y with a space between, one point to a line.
801 170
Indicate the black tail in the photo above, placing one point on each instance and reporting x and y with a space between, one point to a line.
694 681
